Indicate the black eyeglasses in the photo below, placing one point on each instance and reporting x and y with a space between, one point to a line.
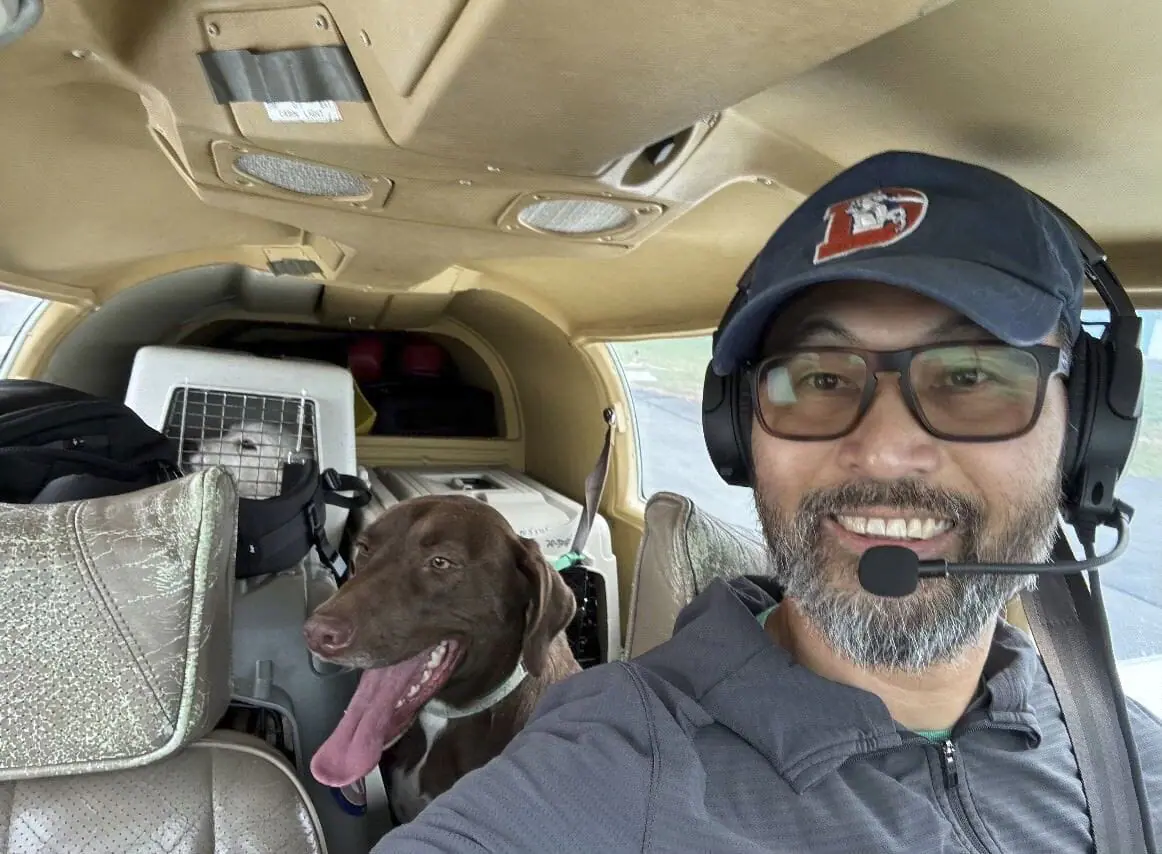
963 392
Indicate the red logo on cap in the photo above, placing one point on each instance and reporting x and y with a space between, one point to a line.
879 218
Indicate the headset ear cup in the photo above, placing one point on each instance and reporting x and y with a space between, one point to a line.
744 421
726 409
720 427
1079 409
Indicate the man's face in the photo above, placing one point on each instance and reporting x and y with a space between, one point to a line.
823 503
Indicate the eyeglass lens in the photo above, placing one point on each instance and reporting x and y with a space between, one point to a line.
964 391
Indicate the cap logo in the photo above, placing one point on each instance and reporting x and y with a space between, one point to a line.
879 218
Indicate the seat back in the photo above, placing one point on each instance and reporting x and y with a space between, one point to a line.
115 661
682 548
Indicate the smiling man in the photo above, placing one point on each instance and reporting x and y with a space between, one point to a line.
955 453
906 332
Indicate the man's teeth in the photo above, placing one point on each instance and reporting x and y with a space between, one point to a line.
895 529
434 661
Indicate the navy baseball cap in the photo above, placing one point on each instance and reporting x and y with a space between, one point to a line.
960 234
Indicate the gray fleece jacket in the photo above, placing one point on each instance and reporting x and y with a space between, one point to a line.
717 741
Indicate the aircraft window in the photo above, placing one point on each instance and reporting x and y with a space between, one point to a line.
15 311
664 381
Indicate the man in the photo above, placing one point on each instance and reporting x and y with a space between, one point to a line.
907 328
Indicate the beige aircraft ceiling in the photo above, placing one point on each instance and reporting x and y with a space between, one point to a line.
118 161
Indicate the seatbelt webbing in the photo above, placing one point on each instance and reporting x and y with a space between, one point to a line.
1067 629
594 488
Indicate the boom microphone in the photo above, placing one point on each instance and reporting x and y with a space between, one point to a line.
896 570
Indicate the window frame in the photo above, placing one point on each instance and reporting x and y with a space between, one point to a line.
631 411
8 357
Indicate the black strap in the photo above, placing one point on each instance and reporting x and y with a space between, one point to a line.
1070 635
334 483
275 533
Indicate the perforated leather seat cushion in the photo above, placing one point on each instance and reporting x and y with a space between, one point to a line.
209 798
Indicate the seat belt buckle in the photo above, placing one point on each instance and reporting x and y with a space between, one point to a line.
338 568
315 519
571 560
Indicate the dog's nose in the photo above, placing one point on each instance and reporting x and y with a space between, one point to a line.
328 635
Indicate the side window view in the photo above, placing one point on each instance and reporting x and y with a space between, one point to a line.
494 427
664 380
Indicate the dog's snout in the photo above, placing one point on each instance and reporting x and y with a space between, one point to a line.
328 635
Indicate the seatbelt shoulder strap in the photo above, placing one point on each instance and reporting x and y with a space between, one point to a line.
594 488
1068 631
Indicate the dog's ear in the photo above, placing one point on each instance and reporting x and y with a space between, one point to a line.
550 609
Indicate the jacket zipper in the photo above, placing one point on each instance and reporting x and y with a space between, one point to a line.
955 799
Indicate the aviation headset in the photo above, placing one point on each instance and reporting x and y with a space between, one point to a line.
1104 392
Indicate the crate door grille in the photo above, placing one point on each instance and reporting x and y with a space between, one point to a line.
251 435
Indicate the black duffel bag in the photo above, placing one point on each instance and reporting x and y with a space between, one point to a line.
59 444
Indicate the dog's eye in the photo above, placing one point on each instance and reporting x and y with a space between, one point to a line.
247 445
438 562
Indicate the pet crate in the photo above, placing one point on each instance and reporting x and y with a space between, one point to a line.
248 414
540 514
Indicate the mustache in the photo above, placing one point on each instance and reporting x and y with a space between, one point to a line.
905 493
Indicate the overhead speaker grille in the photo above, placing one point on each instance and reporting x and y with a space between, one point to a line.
576 217
299 176
271 173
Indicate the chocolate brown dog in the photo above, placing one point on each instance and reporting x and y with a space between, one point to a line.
458 623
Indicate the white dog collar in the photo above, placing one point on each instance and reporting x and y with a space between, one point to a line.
440 709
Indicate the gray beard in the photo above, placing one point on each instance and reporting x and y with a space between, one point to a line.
945 616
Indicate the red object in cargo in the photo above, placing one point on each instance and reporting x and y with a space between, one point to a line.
423 359
365 358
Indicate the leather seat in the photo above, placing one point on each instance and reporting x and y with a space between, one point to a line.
682 549
116 669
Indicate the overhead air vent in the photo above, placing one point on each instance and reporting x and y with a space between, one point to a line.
650 167
17 17
271 173
657 155
579 217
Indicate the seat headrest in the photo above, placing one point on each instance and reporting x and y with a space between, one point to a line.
682 549
115 614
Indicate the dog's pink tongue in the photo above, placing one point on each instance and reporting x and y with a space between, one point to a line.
370 722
